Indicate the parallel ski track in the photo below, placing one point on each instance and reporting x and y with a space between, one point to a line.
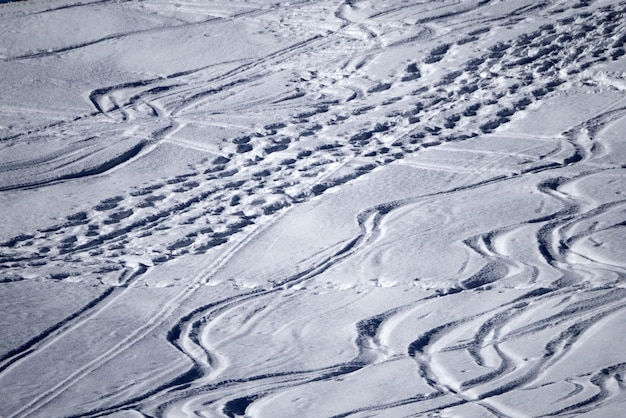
198 380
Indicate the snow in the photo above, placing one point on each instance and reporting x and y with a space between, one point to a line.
312 208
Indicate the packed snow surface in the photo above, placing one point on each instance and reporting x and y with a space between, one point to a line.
313 208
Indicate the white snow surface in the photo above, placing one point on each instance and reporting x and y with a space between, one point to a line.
313 208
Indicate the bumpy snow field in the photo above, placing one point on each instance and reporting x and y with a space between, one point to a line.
313 208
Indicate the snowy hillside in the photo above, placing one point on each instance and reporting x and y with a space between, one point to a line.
313 208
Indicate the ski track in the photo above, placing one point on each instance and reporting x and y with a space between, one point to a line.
369 124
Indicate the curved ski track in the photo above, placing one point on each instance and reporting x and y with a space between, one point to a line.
374 125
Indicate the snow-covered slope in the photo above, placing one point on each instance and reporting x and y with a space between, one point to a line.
313 208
